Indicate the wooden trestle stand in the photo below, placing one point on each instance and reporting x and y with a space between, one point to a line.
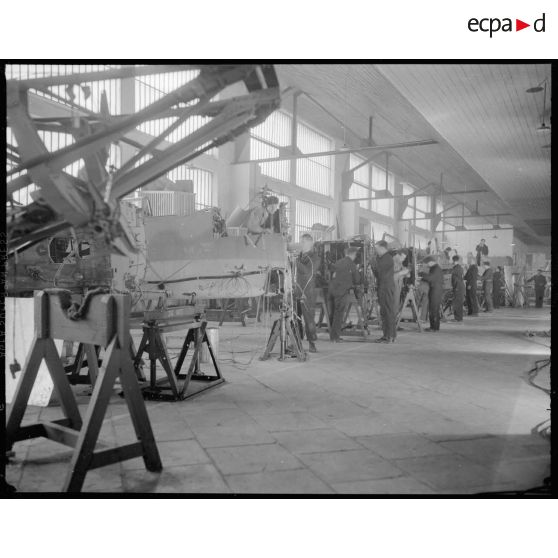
176 386
106 324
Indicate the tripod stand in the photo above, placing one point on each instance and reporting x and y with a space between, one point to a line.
288 334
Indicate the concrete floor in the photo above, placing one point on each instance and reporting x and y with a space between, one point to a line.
432 414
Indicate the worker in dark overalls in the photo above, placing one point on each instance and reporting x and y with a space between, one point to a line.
482 251
307 265
386 292
540 285
345 277
487 287
471 277
435 279
458 287
498 288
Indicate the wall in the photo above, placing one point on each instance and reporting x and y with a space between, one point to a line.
466 241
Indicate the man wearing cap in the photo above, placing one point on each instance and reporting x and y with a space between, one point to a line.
386 292
471 277
345 276
307 265
540 284
458 287
435 279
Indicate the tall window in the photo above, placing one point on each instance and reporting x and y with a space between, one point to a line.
382 206
360 187
149 89
275 133
203 184
378 230
308 214
266 139
313 173
443 225
422 205
87 95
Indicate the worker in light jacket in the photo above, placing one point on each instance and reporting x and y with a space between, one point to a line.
384 271
435 279
345 277
458 287
307 265
540 284
487 287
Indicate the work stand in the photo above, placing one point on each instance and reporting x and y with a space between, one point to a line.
88 357
410 300
176 386
361 327
290 343
105 325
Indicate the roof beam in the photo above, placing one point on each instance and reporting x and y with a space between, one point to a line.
340 151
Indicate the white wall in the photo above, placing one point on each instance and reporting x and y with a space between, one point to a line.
466 241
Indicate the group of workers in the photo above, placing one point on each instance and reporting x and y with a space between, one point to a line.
389 272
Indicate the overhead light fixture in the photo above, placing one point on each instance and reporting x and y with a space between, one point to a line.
543 127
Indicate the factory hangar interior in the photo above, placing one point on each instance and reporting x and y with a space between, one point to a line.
278 278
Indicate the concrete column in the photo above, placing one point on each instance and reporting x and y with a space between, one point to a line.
128 106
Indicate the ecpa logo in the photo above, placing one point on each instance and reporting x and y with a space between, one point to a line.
494 24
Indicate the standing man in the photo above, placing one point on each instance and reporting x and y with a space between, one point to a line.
498 286
345 277
540 284
482 251
435 279
307 265
386 292
471 277
458 287
487 287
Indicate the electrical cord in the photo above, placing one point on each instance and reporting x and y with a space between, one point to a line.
533 373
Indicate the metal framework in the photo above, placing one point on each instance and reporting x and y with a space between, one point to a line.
63 200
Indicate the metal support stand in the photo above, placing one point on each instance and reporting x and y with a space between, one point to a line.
409 300
106 325
362 323
175 386
286 331
231 312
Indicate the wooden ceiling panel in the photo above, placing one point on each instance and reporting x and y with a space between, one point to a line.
480 113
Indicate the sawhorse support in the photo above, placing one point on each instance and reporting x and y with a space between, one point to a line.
88 356
409 300
106 325
174 387
286 332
